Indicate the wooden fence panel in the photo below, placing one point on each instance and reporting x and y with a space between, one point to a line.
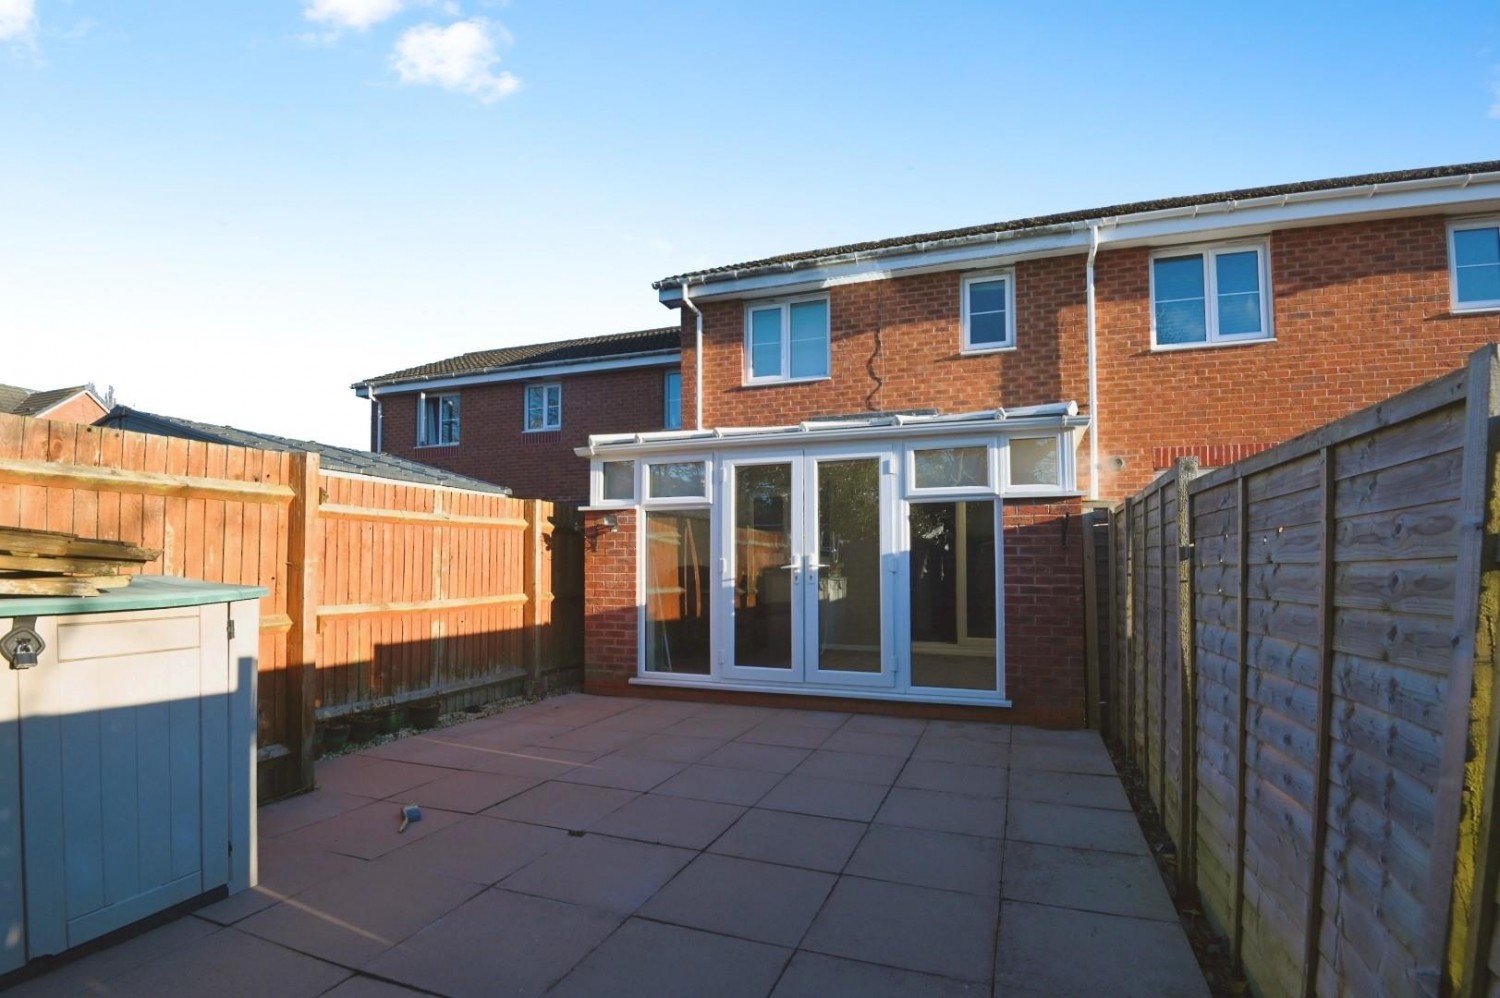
1343 612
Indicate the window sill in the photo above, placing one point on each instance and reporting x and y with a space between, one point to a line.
545 429
1214 345
1474 309
436 446
981 351
773 382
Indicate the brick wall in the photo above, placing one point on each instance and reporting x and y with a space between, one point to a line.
79 409
1360 312
493 447
611 620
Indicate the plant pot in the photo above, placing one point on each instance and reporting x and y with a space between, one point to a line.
334 737
392 720
425 715
363 727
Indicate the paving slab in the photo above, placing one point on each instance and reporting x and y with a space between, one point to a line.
288 866
880 724
871 742
373 830
928 858
623 772
354 918
1080 789
944 812
572 806
957 748
826 798
359 986
750 755
305 809
792 839
954 778
718 783
90 975
600 871
1052 951
651 960
777 732
914 928
1087 758
229 964
381 778
481 849
672 821
982 731
859 767
672 748
466 791
1109 882
742 897
1079 827
499 943
813 975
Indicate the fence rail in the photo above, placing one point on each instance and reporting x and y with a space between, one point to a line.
1303 670
379 591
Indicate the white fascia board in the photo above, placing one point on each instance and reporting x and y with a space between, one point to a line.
1220 220
532 372
790 438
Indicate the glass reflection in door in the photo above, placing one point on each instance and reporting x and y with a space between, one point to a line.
848 563
764 566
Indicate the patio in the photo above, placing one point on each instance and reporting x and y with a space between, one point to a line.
607 846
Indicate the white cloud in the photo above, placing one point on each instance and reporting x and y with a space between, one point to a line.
17 18
358 14
460 57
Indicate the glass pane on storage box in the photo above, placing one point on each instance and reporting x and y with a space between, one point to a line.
1033 461
676 480
763 564
953 595
952 468
849 566
619 481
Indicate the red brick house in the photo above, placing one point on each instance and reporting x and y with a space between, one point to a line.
889 445
78 404
515 415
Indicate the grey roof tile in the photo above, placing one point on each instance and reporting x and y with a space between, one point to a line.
589 348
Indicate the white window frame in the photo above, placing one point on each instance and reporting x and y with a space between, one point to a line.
438 397
990 489
666 400
1208 251
543 387
643 482
596 483
1008 275
1066 470
785 305
1486 305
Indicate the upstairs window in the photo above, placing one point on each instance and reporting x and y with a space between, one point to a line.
1215 295
989 313
437 420
543 407
1474 264
672 418
786 341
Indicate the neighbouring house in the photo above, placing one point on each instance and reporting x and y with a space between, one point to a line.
338 460
879 496
78 404
516 414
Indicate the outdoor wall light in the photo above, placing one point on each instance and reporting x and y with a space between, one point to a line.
608 524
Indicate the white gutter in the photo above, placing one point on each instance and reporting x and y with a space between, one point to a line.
1093 365
697 361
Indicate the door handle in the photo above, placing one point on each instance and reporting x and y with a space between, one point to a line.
792 565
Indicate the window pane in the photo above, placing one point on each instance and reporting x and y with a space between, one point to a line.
534 408
448 427
987 329
765 343
1239 314
673 416
986 296
1479 283
953 593
677 591
849 624
762 548
1181 322
1033 461
952 468
1178 278
1237 273
810 339
1476 246
619 480
677 480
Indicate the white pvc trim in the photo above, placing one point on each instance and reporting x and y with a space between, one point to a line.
923 695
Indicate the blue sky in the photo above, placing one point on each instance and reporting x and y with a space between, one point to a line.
230 211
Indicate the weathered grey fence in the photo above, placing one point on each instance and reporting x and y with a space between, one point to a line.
1303 668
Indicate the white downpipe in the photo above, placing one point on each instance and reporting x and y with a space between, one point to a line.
1093 366
697 361
379 421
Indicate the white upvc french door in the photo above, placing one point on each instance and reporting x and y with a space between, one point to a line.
809 566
